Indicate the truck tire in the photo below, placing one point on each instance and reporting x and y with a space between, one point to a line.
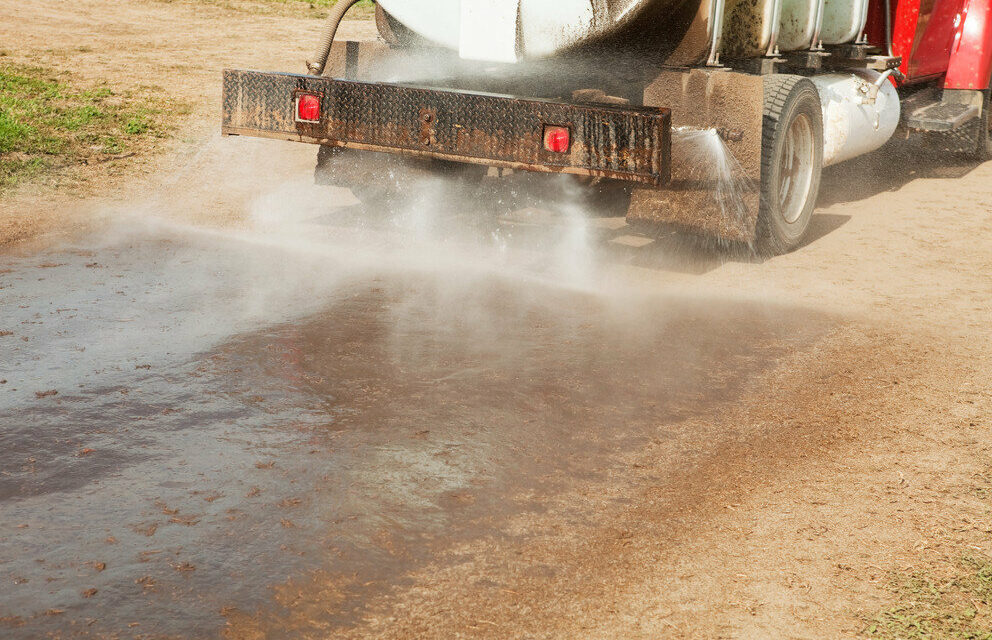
791 161
982 151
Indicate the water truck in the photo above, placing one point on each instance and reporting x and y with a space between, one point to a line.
617 95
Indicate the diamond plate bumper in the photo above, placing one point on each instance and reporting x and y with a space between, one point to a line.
619 142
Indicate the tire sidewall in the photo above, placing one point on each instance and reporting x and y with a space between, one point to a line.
782 235
983 147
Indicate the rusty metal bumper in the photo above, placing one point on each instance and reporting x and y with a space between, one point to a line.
618 142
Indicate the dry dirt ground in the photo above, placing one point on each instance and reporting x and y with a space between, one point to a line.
855 465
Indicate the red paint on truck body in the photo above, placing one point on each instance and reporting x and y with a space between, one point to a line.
951 38
971 53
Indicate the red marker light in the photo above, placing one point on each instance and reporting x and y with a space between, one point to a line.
557 139
307 108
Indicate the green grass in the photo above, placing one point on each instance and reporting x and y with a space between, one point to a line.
955 606
46 123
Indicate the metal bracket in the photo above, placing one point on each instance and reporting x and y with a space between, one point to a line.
852 51
884 63
807 59
762 66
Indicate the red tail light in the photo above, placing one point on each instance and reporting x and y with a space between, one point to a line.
308 107
557 139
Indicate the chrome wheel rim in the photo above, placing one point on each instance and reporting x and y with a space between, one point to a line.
796 168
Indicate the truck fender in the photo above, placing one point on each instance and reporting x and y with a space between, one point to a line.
970 65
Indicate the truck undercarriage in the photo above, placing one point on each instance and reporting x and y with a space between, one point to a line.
733 152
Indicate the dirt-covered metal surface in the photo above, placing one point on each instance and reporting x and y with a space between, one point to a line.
716 154
628 143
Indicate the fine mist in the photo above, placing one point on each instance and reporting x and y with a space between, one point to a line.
246 370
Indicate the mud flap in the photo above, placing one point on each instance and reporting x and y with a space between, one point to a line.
710 192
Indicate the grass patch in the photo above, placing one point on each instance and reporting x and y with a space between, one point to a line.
929 606
46 123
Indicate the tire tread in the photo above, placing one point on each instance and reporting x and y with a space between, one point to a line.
778 89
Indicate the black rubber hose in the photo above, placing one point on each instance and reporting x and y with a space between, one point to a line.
316 67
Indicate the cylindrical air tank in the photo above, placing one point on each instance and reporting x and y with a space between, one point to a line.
860 113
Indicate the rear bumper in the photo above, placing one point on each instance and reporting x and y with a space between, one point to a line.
618 142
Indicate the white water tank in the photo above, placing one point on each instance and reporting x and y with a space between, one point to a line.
506 30
511 30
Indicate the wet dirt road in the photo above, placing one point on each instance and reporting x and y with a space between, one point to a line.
190 421
317 439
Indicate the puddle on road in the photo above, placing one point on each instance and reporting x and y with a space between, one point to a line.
223 425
